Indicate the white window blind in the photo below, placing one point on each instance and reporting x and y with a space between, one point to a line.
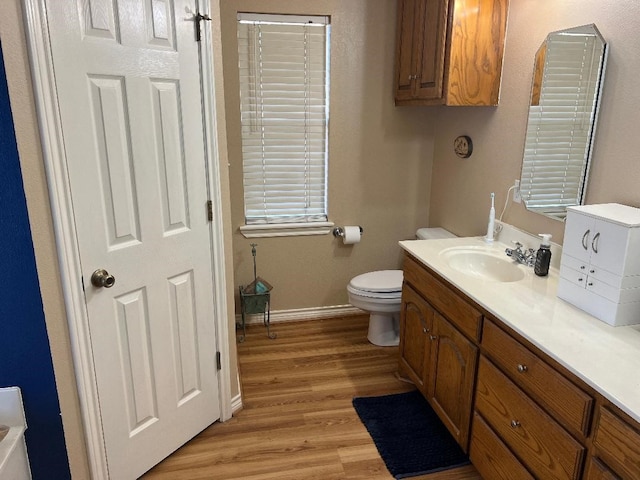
559 129
283 63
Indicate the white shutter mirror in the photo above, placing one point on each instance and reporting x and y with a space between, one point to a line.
567 81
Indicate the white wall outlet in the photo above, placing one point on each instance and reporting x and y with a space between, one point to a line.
517 198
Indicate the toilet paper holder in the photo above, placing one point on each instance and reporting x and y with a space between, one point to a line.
339 231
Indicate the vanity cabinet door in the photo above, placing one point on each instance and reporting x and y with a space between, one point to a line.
416 324
578 233
450 390
609 247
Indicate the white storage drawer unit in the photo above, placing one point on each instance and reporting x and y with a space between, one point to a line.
600 267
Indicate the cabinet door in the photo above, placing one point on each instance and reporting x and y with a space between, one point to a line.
430 48
416 321
609 246
453 366
406 38
578 235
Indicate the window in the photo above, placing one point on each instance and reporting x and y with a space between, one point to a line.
283 63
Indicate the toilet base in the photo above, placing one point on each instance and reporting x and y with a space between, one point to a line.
384 329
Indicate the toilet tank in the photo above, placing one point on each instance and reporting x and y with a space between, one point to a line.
433 233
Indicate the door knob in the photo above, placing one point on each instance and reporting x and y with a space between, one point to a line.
102 278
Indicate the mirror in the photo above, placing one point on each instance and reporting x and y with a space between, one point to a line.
567 81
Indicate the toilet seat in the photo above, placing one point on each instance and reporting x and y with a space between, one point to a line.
378 284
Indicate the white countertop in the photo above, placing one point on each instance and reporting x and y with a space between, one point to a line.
606 358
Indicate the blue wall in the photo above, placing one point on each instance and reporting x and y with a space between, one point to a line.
25 357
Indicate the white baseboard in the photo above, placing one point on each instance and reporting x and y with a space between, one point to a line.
303 314
236 403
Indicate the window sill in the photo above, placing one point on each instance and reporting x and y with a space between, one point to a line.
286 229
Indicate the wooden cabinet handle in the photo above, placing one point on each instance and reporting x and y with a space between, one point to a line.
522 368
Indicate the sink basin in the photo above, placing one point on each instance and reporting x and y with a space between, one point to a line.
483 264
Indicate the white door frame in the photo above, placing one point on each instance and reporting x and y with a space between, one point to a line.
66 240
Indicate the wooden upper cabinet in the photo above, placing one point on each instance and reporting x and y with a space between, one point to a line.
449 52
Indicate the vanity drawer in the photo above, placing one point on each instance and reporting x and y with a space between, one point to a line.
554 392
618 444
611 279
491 457
597 471
460 313
545 448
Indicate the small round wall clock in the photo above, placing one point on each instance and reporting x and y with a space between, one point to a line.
463 146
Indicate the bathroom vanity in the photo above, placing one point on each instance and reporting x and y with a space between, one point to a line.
530 386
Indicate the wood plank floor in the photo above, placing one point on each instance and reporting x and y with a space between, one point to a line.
298 422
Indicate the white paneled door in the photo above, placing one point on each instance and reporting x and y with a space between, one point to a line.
128 83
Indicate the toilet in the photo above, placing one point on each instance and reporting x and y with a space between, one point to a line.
380 294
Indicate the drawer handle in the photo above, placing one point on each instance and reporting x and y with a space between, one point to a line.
515 423
432 337
594 242
582 267
590 284
585 239
425 330
522 368
592 271
580 279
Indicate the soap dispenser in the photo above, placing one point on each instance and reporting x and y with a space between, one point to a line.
543 257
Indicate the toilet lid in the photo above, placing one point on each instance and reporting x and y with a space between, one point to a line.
380 281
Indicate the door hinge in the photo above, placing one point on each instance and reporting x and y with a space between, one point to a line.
198 18
210 210
218 361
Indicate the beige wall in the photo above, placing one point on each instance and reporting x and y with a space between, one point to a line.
379 158
460 191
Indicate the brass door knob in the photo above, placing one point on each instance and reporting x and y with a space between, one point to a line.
101 278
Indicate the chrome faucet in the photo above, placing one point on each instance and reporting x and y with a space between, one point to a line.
526 256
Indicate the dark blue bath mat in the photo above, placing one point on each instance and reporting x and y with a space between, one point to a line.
409 436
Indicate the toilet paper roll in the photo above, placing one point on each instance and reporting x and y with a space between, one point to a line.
351 235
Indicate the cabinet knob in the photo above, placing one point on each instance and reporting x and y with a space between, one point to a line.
432 337
592 271
425 330
522 368
515 423
582 267
580 279
590 284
